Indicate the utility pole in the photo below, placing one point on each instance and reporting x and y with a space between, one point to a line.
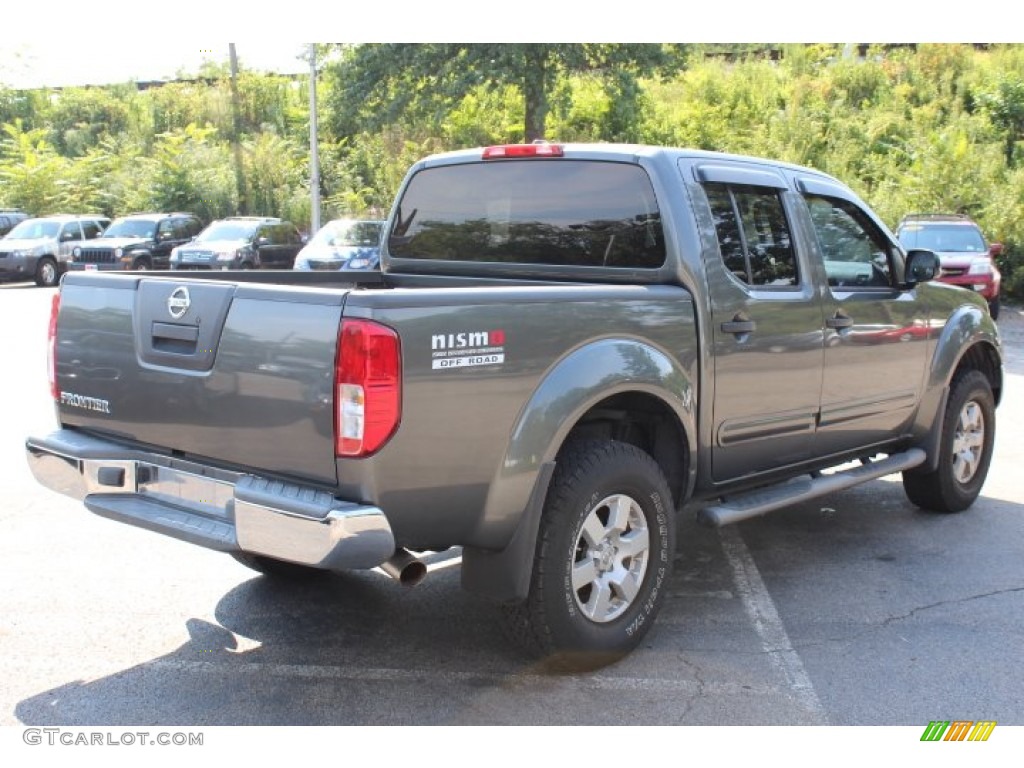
236 119
314 151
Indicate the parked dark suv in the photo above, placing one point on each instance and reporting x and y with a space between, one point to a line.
38 249
241 242
967 259
140 241
9 217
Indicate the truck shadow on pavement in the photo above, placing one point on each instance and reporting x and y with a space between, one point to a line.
337 649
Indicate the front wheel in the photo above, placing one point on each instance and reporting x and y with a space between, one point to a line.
965 449
603 559
47 273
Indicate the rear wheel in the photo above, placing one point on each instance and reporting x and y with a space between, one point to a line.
965 449
47 274
603 559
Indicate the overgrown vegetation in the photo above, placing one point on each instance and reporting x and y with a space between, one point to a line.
928 128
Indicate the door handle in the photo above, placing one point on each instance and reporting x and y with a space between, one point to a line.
739 325
839 321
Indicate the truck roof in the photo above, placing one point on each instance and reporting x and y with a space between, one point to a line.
620 152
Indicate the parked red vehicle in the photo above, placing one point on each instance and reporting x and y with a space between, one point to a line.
967 258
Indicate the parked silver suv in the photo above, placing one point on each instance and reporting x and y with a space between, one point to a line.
39 249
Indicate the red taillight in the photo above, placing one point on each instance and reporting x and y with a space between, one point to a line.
367 387
51 347
523 150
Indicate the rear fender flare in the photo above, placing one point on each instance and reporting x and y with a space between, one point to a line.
579 381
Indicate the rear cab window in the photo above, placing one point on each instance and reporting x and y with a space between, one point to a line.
565 212
753 235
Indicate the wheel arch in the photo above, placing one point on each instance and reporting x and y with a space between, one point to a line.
982 357
969 341
645 420
616 389
141 254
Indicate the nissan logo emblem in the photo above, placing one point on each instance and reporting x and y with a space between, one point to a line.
178 302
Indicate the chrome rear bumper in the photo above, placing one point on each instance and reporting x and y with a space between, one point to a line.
211 507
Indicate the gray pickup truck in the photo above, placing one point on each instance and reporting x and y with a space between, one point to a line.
566 345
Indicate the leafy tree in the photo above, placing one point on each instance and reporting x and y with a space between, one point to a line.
1005 103
188 170
27 106
375 84
82 116
366 170
31 170
275 168
177 105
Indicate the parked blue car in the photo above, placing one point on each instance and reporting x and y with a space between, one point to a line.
343 244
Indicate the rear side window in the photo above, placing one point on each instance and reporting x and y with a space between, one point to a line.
71 231
165 229
753 235
285 234
559 212
91 229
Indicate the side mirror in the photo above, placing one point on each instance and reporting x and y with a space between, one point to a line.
922 266
262 240
995 249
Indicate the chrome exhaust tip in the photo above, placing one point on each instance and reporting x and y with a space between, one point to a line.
404 568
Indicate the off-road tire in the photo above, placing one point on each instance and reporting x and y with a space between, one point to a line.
609 521
965 449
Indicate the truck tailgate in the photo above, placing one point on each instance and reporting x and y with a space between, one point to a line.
238 373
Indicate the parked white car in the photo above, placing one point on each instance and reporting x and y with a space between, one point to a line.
39 249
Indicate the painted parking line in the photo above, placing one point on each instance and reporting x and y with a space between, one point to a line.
760 607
